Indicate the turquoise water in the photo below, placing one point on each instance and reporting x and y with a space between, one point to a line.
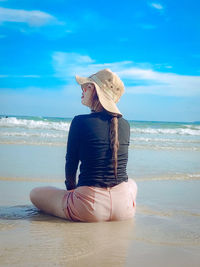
53 131
35 147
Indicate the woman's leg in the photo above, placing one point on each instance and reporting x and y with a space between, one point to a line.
49 199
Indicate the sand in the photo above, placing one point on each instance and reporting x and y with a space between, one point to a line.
155 237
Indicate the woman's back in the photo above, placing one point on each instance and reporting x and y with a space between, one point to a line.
90 143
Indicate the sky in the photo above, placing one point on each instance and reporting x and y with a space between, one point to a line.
154 46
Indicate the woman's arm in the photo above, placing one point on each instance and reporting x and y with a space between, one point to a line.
72 155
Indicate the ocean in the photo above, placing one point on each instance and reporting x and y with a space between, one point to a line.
35 147
158 150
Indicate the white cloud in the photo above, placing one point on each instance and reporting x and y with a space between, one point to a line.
138 80
34 18
156 6
160 83
68 64
164 65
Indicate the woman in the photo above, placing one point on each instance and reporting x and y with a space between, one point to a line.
99 141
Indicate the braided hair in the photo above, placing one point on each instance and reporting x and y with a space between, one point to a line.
114 142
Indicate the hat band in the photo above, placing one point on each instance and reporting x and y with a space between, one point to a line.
107 90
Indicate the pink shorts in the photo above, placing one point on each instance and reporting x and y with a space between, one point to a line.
94 204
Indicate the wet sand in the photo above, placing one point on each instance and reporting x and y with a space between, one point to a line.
159 235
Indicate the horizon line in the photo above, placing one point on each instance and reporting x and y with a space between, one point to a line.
131 120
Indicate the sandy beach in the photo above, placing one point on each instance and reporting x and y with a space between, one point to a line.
164 160
155 237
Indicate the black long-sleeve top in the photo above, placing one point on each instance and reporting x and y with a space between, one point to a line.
89 143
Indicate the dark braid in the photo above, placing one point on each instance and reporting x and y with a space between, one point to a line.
114 142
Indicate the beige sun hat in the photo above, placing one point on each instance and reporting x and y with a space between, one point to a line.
108 86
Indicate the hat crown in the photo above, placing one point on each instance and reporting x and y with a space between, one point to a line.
109 88
110 83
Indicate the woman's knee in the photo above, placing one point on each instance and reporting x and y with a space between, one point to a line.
33 194
36 193
48 199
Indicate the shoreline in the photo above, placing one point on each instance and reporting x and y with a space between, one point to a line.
168 177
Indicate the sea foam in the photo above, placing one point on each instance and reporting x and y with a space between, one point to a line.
13 122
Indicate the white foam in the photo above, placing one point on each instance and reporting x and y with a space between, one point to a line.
177 131
13 122
31 134
29 142
193 126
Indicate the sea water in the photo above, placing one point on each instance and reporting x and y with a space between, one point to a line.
36 146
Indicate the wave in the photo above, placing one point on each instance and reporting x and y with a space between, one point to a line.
134 140
165 143
31 134
63 125
33 143
168 131
13 122
194 127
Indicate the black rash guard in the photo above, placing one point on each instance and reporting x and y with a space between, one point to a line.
89 143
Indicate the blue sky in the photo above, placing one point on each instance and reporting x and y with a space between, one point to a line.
154 46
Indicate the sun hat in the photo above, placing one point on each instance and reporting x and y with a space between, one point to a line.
108 86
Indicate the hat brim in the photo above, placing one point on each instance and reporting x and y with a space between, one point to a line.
107 103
